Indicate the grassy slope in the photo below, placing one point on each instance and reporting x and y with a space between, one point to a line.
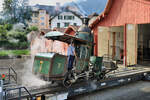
14 52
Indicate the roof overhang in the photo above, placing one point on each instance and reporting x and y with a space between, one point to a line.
55 35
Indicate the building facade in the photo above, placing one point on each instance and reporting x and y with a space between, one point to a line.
64 19
40 18
43 19
122 31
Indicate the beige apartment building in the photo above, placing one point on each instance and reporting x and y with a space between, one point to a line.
40 18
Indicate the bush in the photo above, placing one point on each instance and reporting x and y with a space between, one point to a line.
14 45
17 35
20 45
8 27
33 28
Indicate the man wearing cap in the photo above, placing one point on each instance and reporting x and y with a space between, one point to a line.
71 55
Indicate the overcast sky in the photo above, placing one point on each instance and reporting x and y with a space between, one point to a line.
44 2
48 2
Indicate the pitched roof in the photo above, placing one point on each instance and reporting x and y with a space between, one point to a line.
92 15
74 28
103 14
59 29
76 14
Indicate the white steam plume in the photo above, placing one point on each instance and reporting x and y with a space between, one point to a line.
28 78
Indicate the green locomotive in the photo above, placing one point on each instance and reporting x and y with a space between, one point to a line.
53 66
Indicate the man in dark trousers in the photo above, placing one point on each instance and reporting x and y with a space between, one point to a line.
71 55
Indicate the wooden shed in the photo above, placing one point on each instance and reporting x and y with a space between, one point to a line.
123 31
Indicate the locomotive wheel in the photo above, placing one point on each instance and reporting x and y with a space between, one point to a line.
67 80
101 76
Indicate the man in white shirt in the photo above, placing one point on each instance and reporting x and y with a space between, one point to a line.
71 55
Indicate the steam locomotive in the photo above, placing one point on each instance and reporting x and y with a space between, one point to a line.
53 66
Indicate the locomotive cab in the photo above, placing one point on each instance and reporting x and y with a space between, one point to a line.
82 48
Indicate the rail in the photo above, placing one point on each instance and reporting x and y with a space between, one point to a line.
82 87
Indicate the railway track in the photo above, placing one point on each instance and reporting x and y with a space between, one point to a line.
112 79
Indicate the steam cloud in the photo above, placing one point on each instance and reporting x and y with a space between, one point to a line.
28 78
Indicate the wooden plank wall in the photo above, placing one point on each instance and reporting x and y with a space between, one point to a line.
103 33
132 35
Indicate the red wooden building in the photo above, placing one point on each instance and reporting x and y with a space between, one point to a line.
123 29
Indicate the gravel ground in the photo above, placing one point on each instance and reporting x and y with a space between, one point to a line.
133 91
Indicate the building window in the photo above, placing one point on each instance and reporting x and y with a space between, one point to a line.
42 12
58 25
42 18
35 14
35 21
60 17
65 17
42 24
66 24
75 24
69 17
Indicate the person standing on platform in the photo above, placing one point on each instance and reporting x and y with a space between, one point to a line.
71 55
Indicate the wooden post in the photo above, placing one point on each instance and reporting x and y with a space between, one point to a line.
125 45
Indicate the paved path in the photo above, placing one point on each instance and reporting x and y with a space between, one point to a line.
133 91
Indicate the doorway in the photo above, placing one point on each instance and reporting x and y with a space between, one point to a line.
144 44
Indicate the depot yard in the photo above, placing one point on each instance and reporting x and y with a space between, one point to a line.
136 90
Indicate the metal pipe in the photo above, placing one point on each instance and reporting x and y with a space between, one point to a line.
19 93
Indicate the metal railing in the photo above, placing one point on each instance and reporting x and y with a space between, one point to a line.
5 97
10 74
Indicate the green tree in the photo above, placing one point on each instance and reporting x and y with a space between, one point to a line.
17 11
3 33
17 36
8 27
7 6
33 28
